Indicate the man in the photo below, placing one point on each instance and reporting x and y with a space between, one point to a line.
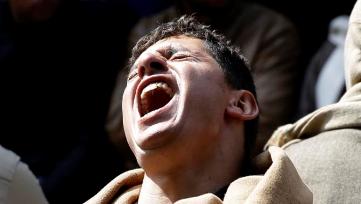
328 158
267 39
190 115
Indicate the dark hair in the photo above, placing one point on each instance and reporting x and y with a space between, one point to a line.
233 63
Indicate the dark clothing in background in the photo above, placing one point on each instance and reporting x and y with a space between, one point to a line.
56 81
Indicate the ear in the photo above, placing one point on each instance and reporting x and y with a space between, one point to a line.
242 105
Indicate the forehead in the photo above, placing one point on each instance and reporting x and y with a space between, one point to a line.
179 42
174 44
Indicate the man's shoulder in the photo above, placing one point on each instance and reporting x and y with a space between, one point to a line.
327 148
125 188
9 161
280 183
330 164
332 141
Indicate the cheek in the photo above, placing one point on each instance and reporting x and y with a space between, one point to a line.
128 98
207 86
206 101
127 103
127 118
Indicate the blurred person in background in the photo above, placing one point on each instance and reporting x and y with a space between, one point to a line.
324 81
17 183
59 60
325 145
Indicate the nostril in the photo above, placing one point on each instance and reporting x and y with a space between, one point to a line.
150 64
156 65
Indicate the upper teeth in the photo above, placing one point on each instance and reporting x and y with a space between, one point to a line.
148 91
153 86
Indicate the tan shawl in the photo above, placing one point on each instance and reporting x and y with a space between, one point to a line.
344 114
280 184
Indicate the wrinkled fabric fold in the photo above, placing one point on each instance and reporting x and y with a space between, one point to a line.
280 184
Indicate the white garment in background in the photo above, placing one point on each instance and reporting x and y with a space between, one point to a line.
18 184
331 79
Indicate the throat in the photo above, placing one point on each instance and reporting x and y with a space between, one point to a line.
154 97
157 100
169 189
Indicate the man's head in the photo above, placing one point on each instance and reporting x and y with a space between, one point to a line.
190 97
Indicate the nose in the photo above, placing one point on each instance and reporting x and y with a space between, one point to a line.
150 64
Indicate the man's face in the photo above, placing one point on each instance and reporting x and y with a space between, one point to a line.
174 103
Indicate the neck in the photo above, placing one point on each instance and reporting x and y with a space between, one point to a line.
188 182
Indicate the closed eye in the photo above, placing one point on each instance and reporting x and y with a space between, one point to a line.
179 57
132 75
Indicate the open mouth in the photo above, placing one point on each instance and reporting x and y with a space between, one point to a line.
154 96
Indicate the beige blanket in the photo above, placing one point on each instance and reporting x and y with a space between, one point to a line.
280 184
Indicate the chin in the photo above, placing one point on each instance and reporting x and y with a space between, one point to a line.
155 136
